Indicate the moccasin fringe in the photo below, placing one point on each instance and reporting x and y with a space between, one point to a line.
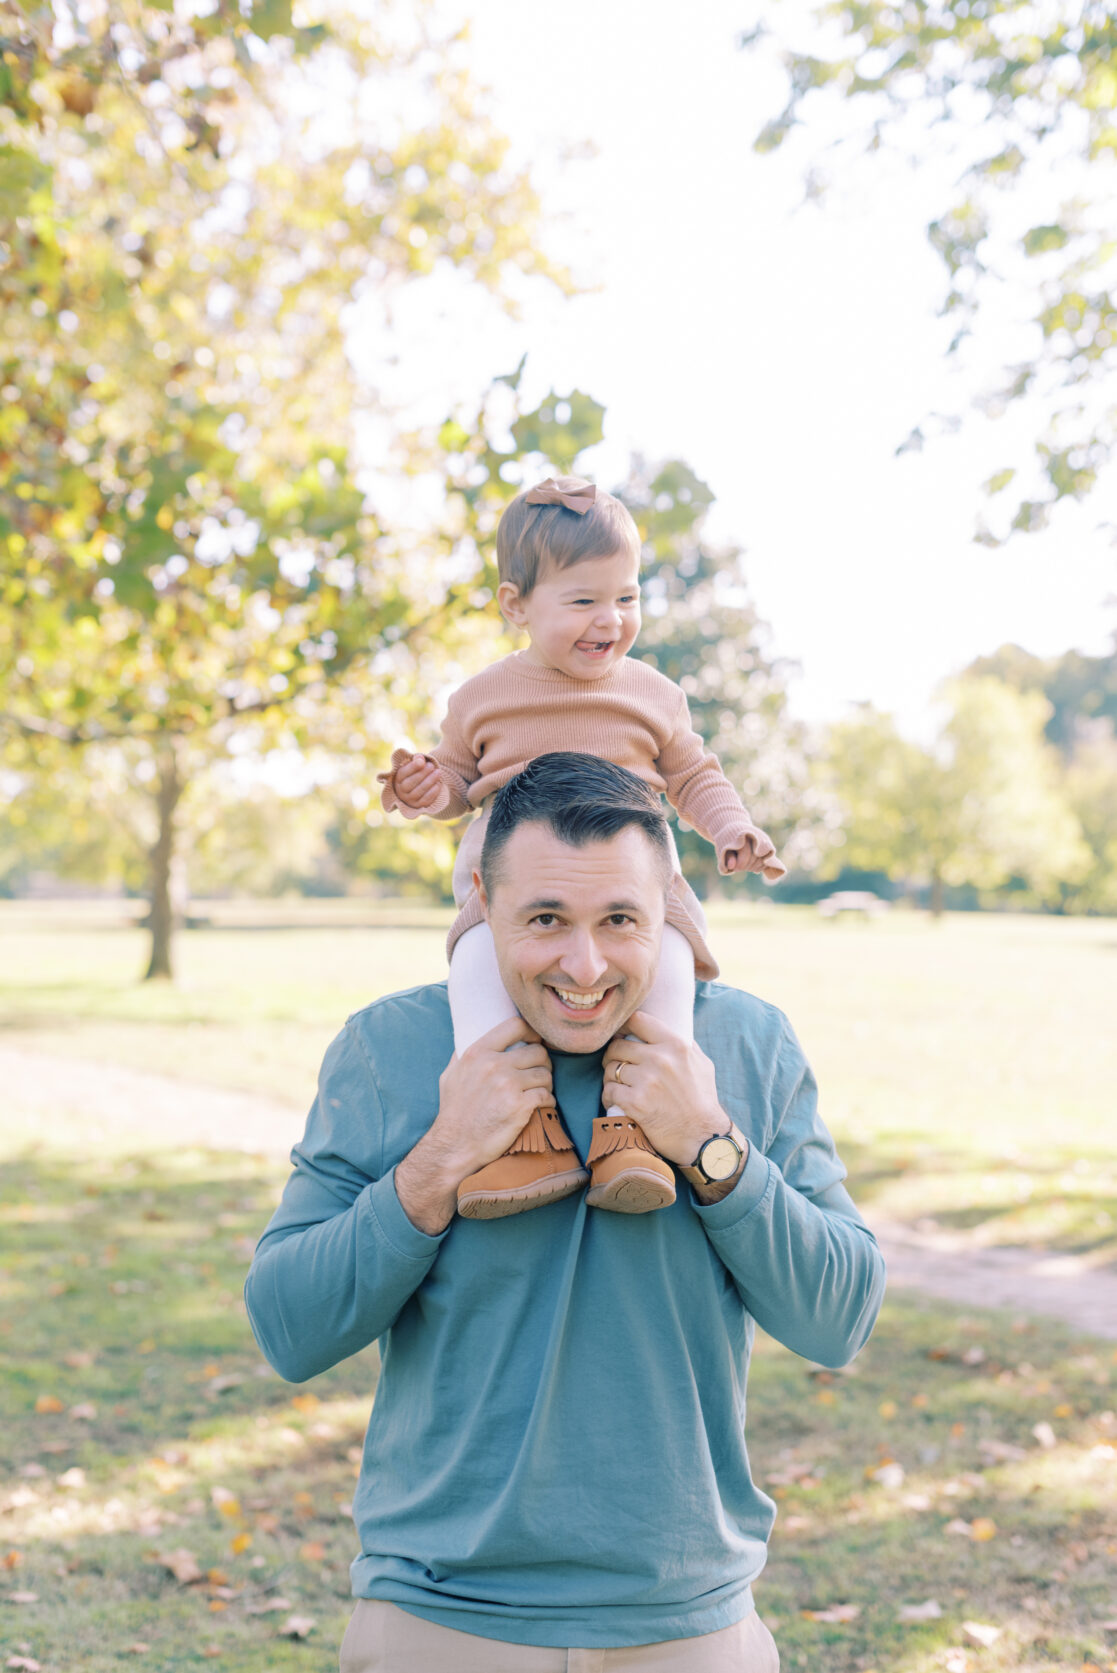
611 1132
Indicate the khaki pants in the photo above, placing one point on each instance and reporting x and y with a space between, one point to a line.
383 1639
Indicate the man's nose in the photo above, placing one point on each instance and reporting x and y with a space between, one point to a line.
582 961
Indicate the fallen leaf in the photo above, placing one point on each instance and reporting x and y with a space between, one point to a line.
890 1474
72 1478
240 1543
78 1360
305 1402
86 1411
12 1559
183 1565
221 1385
958 1527
929 1611
1045 1435
49 1403
974 1356
270 1607
957 1661
313 1551
22 1597
297 1626
211 1651
1064 1410
887 1408
983 1528
216 1604
978 1633
28 1663
919 1401
217 1577
139 1648
836 1615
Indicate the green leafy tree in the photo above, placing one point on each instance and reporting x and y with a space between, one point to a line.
703 631
190 210
1023 98
983 806
1082 690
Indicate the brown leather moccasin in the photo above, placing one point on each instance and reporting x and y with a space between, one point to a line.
540 1166
627 1175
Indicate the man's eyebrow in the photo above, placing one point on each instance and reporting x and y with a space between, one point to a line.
560 905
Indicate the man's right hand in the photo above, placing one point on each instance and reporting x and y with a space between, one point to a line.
486 1098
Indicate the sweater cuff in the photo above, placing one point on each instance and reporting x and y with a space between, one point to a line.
390 798
392 1225
754 1185
760 848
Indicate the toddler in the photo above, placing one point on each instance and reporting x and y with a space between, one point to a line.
568 557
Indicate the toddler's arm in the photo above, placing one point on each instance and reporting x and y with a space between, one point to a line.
437 784
698 788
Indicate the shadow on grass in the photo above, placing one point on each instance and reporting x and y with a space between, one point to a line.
1072 1209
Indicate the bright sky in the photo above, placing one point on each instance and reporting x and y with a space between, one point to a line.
783 351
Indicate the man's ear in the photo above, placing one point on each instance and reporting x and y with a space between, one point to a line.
512 605
481 895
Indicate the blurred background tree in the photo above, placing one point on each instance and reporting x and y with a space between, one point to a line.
1022 99
983 805
702 629
186 230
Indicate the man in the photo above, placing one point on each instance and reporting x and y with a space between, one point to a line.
555 1473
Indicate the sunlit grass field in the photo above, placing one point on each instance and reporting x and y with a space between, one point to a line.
968 1465
967 1067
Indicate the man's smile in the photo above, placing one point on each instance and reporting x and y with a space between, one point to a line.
583 1003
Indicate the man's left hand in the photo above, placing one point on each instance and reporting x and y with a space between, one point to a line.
667 1084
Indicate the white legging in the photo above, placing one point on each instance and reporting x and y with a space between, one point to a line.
479 1001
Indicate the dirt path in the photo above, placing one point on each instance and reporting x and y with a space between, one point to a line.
100 1101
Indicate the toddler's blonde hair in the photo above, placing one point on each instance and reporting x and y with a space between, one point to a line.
530 539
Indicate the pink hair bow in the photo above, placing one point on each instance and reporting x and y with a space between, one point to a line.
578 499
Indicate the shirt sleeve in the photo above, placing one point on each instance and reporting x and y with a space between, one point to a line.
457 767
804 1262
339 1258
704 797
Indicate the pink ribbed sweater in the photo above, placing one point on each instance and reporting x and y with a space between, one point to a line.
504 717
634 716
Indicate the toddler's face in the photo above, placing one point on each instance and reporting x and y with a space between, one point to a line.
582 620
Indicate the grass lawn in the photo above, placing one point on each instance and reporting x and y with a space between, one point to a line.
967 1067
966 1469
140 1430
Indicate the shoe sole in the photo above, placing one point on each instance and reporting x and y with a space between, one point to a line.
490 1205
632 1192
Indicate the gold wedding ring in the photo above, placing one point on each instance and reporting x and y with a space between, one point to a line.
617 1073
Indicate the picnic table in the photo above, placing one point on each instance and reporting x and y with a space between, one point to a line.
852 900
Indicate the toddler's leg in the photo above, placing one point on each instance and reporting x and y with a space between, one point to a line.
671 1000
542 1165
478 999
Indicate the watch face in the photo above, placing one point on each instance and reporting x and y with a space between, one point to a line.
719 1159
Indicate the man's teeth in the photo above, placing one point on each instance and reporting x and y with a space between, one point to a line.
580 1001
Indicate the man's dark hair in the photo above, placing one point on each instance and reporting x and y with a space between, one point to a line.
580 799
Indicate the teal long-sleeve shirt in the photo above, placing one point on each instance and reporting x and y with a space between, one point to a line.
556 1453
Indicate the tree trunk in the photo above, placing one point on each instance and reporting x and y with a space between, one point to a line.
161 918
936 895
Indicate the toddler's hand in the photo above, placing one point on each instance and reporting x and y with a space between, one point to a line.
418 781
733 860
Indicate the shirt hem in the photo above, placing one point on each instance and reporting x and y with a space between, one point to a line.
569 1629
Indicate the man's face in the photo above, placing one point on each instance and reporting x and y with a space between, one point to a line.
577 931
